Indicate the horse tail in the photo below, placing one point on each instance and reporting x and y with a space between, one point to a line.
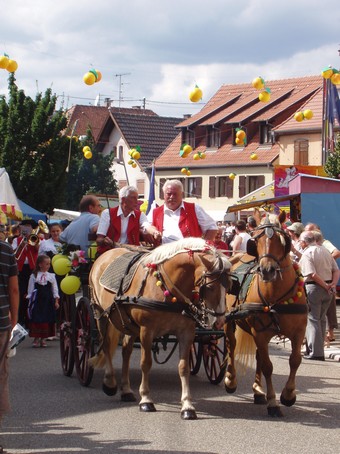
107 348
245 350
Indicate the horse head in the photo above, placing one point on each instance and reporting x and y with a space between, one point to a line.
212 279
272 246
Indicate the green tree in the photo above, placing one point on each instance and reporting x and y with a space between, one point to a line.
332 166
34 149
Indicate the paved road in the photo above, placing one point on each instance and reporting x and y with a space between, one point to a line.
54 414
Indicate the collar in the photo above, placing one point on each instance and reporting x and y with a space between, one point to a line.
178 210
120 212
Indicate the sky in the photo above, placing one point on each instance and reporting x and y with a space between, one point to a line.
158 50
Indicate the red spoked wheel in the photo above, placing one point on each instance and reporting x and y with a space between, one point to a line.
84 340
214 355
195 357
67 311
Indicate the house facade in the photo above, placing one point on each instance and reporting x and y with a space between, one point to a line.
230 171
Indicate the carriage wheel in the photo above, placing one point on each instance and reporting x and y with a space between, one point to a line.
195 358
214 353
83 340
161 352
67 310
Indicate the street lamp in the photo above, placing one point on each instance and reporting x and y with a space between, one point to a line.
122 163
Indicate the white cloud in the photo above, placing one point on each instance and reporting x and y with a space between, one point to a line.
164 48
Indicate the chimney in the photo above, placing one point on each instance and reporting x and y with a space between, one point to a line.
186 116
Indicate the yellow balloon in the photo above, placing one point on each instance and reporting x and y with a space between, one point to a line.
99 75
196 94
12 66
89 78
335 79
264 96
4 61
57 257
62 266
70 285
308 114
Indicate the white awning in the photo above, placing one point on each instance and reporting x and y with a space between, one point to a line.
65 214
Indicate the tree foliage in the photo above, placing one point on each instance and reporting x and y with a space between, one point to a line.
332 165
34 149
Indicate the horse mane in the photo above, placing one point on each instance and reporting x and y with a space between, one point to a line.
169 250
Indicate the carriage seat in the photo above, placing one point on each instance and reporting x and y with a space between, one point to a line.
118 275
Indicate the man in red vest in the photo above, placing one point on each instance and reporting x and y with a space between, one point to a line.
26 255
124 223
177 219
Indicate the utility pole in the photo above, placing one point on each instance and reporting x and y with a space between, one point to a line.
120 98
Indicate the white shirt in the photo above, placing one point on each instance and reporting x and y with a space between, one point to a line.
104 223
171 231
43 279
49 246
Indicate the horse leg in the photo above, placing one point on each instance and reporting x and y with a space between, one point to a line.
230 381
259 394
185 341
267 370
288 395
127 394
110 345
146 404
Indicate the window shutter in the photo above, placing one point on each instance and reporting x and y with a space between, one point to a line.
260 181
199 187
212 187
242 186
161 184
230 188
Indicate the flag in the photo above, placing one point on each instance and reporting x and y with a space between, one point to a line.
334 104
152 189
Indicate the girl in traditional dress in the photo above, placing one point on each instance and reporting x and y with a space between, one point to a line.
43 302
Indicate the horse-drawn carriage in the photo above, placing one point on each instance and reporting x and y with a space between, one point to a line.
165 299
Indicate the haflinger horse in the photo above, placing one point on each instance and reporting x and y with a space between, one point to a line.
270 302
173 288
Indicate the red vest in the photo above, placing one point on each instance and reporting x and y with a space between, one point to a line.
29 252
115 228
188 223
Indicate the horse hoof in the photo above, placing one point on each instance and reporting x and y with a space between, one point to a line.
188 414
260 399
230 390
128 397
286 402
274 411
147 407
109 391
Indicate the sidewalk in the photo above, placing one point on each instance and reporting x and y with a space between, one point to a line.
332 350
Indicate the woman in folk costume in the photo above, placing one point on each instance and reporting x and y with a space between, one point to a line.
44 301
124 224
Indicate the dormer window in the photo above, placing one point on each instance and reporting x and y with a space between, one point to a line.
266 134
188 136
213 137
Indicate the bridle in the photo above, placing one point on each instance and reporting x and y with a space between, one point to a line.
208 278
269 230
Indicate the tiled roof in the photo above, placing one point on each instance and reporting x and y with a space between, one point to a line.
151 133
226 155
219 107
314 103
240 104
93 116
